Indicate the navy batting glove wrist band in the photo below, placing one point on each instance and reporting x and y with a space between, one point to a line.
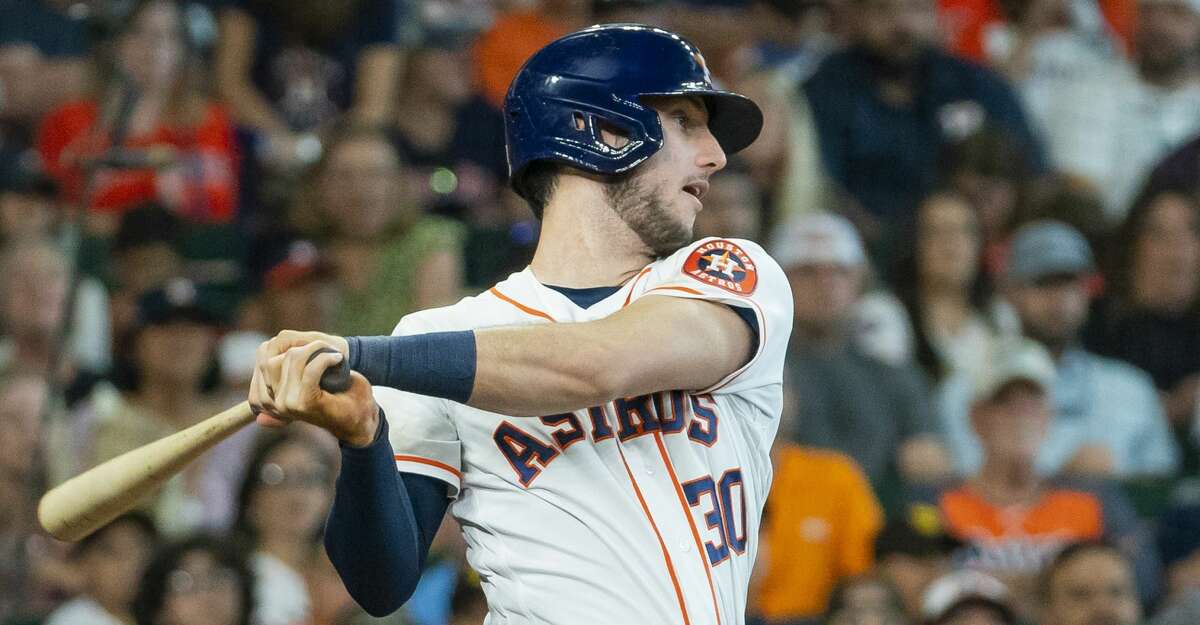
438 364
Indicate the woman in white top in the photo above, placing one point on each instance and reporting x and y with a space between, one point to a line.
948 294
283 502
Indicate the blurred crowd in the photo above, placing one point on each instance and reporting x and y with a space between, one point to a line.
988 211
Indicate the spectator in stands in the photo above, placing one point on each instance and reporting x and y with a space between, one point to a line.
111 561
165 369
290 68
35 276
1179 545
1089 583
944 286
864 600
885 107
812 541
43 63
1011 519
22 402
876 413
294 282
986 166
450 138
282 503
732 207
144 255
968 598
515 35
148 133
1107 419
1110 121
792 37
1070 200
1177 171
468 602
200 581
913 551
1150 316
29 207
390 258
1013 36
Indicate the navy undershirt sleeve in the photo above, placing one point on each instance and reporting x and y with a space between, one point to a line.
751 320
437 364
381 525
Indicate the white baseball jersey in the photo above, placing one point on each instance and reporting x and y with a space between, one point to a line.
644 510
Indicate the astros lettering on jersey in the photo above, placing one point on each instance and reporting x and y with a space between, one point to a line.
644 510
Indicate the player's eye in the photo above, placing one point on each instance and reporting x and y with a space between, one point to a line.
684 120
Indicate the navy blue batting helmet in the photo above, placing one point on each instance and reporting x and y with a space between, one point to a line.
594 78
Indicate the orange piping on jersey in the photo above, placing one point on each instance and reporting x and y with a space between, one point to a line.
666 556
687 512
634 286
675 288
433 463
522 307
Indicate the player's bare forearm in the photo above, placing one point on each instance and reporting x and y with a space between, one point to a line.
656 344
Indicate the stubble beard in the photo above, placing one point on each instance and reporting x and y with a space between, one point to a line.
641 207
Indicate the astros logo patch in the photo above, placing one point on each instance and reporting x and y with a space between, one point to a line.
724 265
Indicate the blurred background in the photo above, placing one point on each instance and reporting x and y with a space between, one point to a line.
988 211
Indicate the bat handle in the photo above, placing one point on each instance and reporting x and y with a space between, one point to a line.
335 379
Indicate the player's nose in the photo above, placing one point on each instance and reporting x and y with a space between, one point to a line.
709 155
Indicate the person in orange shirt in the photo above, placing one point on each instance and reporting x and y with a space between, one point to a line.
1012 520
819 527
500 51
975 28
148 134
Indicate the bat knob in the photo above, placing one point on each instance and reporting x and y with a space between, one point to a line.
335 379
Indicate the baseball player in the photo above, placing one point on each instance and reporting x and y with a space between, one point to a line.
599 423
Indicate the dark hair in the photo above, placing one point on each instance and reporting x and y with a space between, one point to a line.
1071 201
993 152
1118 260
138 520
908 286
266 445
152 594
147 224
126 375
537 184
1070 553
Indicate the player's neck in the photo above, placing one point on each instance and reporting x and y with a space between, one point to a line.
583 243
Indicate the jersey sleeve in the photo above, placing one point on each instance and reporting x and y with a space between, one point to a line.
420 429
740 274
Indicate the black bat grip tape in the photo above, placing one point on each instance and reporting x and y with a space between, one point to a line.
335 379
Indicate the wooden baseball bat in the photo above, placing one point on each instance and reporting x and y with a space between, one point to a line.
90 500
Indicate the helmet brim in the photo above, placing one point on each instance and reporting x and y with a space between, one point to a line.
734 120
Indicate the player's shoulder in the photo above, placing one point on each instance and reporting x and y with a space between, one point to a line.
484 309
724 264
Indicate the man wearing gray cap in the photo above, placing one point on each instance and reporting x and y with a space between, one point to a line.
1107 417
877 413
